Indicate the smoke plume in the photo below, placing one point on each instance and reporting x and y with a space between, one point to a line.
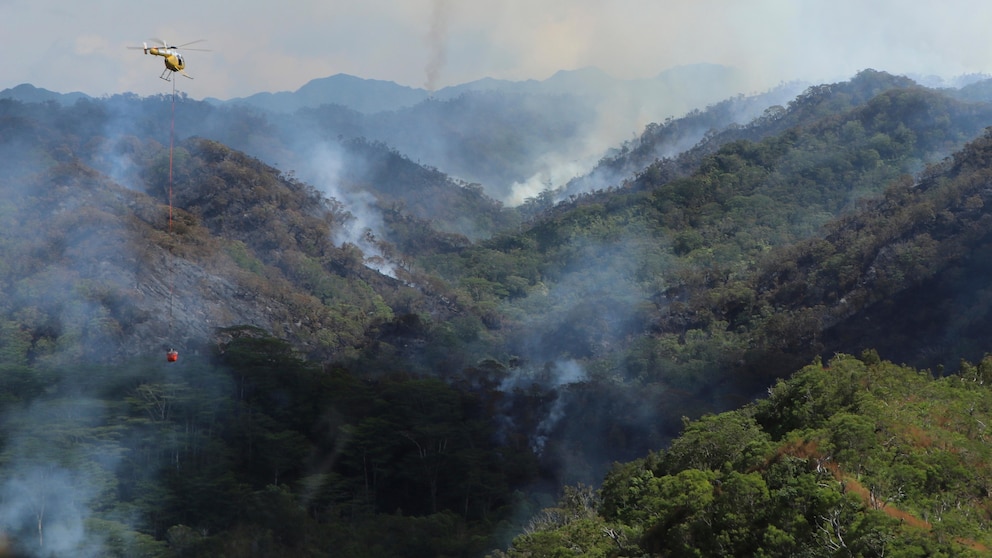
364 224
436 39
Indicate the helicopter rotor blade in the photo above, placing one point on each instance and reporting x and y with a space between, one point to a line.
190 43
165 45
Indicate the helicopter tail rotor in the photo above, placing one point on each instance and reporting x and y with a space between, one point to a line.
144 47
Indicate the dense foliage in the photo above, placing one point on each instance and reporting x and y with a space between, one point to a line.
248 448
758 259
360 356
856 457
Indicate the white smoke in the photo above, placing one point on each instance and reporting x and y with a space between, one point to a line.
555 378
365 221
53 481
48 504
553 175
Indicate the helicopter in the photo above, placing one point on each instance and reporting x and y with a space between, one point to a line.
173 58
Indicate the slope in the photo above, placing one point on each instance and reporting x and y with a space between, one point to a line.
851 457
692 291
93 265
580 339
515 139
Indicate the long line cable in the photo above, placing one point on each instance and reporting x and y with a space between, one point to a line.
172 264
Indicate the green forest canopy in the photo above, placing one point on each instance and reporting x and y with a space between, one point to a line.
433 405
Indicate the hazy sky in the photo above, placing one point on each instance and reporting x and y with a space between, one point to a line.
277 45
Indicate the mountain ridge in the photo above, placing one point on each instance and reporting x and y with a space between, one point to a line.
370 95
30 94
513 138
343 349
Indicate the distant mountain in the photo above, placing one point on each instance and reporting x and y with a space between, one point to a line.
363 95
585 81
515 138
706 82
28 93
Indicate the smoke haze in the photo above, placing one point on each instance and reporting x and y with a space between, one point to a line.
599 300
83 46
364 224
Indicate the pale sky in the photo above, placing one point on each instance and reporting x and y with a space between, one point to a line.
280 45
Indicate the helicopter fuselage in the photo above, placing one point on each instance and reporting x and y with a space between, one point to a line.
173 60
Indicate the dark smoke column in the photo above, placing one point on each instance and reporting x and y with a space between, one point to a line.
436 38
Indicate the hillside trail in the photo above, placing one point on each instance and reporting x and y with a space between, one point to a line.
809 451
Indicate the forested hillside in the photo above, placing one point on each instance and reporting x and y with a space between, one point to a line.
853 457
378 360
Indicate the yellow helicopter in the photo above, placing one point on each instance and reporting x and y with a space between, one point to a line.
173 58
